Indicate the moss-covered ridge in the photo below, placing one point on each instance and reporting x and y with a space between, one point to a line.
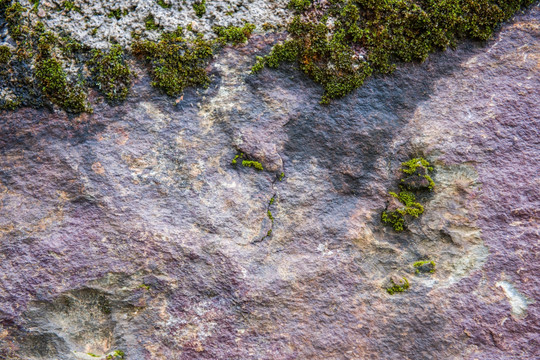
339 43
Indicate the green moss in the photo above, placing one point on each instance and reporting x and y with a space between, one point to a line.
13 17
117 13
281 176
71 97
163 4
235 160
269 232
248 163
419 167
397 288
344 42
5 54
269 213
176 63
410 207
144 286
150 23
272 200
70 5
200 8
234 34
420 265
116 355
110 73
299 5
9 104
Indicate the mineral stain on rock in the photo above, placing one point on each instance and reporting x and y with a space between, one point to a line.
129 229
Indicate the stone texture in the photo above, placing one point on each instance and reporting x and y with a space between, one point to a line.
92 25
130 229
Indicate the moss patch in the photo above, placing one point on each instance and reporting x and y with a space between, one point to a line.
234 34
111 75
5 54
424 266
175 62
200 8
339 43
150 23
403 205
397 287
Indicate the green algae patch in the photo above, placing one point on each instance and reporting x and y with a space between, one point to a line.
340 43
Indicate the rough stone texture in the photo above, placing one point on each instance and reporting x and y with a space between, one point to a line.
94 14
130 228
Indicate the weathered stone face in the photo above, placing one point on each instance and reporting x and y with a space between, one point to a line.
130 229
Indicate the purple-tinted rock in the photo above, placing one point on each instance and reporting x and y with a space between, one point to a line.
129 229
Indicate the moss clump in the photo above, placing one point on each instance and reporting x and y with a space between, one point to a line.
71 97
404 205
53 80
150 23
281 176
13 16
200 8
70 5
5 54
117 13
424 266
341 43
116 355
163 4
299 5
110 73
248 163
176 63
235 160
234 34
401 286
396 217
418 170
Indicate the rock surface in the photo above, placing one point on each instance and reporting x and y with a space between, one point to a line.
130 229
93 24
